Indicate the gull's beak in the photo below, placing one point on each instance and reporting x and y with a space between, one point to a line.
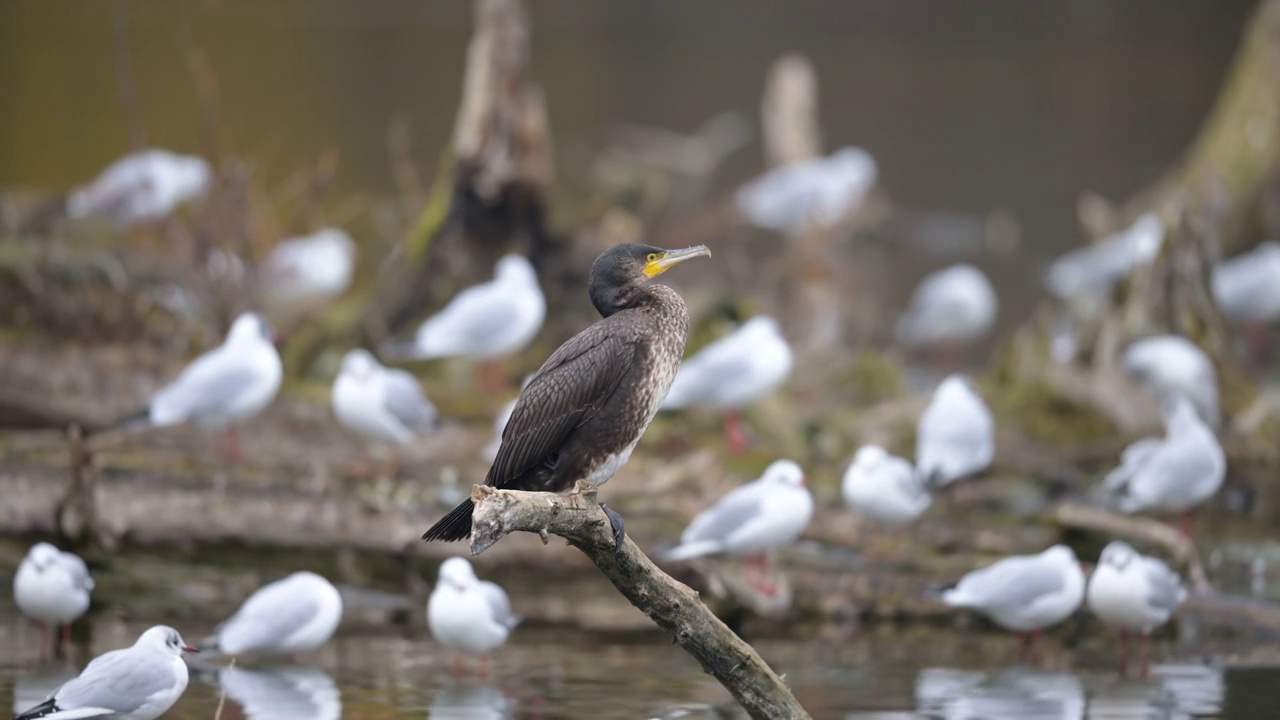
190 649
671 258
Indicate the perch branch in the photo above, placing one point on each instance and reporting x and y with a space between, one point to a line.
1145 530
577 517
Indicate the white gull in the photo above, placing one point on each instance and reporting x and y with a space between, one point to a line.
815 193
468 615
953 306
1133 593
955 436
380 403
141 187
884 487
289 616
140 682
1171 365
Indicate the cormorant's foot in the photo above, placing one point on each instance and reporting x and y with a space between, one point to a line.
615 522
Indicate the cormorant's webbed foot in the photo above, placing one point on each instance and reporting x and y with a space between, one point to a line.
615 522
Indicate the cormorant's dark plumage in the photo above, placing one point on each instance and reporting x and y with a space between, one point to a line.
582 413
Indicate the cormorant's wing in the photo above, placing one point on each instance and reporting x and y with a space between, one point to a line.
572 385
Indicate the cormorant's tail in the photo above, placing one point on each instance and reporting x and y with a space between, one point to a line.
45 708
454 526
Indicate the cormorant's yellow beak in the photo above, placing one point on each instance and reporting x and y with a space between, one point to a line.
661 262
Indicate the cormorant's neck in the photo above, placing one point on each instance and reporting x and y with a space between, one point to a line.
630 298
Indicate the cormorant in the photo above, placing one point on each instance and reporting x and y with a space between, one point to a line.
582 413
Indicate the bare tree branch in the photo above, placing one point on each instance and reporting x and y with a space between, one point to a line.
1146 530
577 517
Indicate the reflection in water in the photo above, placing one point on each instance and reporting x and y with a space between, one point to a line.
1173 691
1196 689
470 702
288 692
32 687
1018 693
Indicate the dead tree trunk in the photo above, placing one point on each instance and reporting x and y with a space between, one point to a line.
502 164
1211 206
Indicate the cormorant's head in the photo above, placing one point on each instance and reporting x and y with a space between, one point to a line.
621 269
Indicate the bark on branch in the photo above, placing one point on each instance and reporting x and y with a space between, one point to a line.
1140 529
577 517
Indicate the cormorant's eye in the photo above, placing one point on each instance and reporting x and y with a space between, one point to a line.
653 256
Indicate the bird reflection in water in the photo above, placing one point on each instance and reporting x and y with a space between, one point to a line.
471 701
1173 691
289 692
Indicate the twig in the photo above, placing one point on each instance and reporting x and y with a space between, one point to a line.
124 79
222 694
675 608
1146 530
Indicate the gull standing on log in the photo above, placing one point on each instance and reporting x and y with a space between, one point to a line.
1024 593
813 194
485 322
1173 474
733 372
467 614
884 487
1133 593
52 587
382 404
302 272
142 187
750 521
225 386
582 413
289 616
949 309
136 683
955 437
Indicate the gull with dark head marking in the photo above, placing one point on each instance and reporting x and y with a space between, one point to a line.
1024 593
294 615
52 587
1133 593
733 372
751 521
136 683
582 413
468 615
223 387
